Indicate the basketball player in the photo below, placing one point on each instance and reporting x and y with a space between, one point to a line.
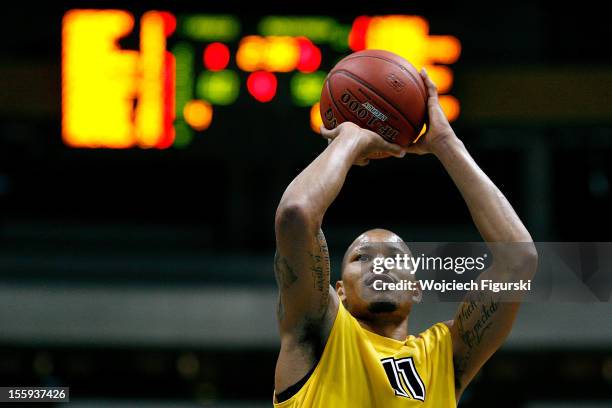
350 346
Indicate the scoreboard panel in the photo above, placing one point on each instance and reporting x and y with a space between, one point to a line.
164 93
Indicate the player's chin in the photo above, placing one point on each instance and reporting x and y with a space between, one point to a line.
383 306
386 301
384 297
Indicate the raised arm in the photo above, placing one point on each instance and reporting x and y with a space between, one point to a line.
484 319
307 303
301 263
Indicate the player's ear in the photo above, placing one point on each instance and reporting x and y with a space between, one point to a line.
340 290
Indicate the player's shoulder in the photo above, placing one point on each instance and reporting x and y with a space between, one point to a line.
449 323
436 334
438 328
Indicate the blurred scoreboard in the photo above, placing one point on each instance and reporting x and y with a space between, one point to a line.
164 92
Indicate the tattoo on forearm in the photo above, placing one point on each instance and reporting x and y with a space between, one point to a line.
285 276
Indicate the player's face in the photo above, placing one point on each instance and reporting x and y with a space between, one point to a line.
360 288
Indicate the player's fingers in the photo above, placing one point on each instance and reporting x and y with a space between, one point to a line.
329 133
432 89
433 104
394 149
327 137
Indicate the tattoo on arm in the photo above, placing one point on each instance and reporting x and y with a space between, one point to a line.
473 322
318 264
460 363
320 270
285 276
324 249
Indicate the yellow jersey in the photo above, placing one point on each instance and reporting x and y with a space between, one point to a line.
359 368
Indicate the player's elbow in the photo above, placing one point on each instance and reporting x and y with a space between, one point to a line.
525 259
293 216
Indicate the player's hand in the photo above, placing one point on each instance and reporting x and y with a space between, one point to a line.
439 131
371 144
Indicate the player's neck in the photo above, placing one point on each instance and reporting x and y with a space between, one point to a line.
391 328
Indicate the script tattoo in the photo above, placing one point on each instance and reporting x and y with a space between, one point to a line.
285 276
319 266
473 321
320 270
324 250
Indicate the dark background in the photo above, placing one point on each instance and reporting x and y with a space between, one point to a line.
535 85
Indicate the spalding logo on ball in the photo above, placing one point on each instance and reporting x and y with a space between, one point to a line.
378 90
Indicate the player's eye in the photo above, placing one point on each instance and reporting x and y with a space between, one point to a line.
363 257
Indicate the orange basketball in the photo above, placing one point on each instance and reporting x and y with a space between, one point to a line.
377 90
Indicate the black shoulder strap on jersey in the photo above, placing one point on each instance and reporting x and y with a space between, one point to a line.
293 389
